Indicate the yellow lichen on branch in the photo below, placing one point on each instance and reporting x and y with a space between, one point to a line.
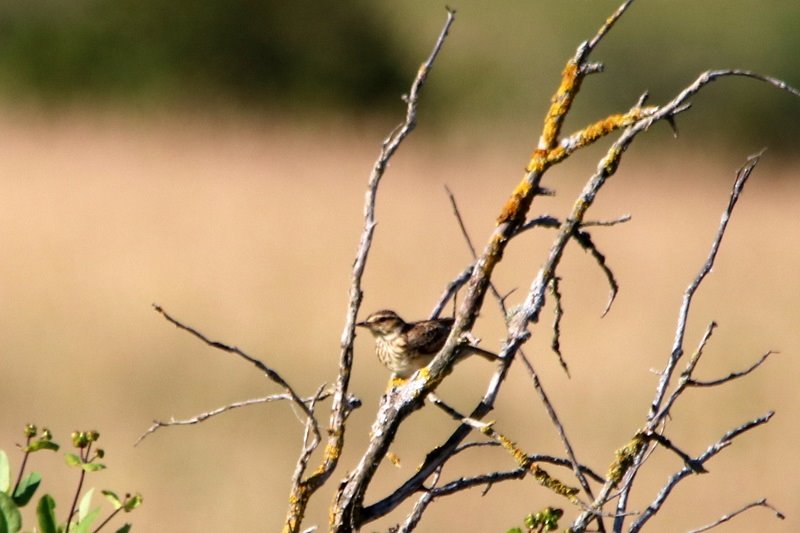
625 457
559 105
557 486
298 501
513 205
523 460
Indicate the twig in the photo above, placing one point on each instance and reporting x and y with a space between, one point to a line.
270 373
558 314
338 410
427 497
659 409
468 240
464 483
525 461
585 240
686 375
666 443
460 221
677 347
730 377
609 164
578 469
722 443
721 520
309 445
536 458
158 424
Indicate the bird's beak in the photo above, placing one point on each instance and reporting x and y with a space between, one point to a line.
361 324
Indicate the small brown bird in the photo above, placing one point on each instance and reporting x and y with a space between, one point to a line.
405 347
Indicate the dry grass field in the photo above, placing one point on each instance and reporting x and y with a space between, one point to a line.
246 228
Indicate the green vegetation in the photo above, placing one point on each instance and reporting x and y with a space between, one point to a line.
274 53
356 57
81 516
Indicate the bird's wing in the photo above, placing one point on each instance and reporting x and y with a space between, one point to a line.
428 336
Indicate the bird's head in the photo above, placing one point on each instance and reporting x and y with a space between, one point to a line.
382 322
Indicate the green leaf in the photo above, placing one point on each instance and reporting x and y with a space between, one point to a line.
5 472
113 498
41 444
514 530
85 503
27 487
133 502
11 520
84 524
124 529
45 514
93 467
72 459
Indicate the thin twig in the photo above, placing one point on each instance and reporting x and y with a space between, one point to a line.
585 240
685 457
558 314
721 520
730 377
659 409
722 443
158 424
416 513
308 445
576 466
686 375
269 372
677 347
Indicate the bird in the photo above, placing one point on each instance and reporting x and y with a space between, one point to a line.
405 347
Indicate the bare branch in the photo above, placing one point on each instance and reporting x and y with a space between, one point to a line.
558 314
390 145
538 458
309 444
398 404
464 483
460 221
300 495
687 460
677 348
158 424
732 376
585 240
686 375
687 470
721 520
452 288
542 221
613 222
422 504
656 415
270 373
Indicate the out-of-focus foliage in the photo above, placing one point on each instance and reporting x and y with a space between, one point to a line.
268 52
500 64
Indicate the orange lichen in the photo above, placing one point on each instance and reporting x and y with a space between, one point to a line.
560 104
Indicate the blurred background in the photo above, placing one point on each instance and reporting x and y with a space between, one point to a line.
211 157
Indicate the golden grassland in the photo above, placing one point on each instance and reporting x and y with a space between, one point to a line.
246 229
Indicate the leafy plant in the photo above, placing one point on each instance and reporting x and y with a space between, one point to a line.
81 515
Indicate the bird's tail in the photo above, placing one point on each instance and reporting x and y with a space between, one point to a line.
471 349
